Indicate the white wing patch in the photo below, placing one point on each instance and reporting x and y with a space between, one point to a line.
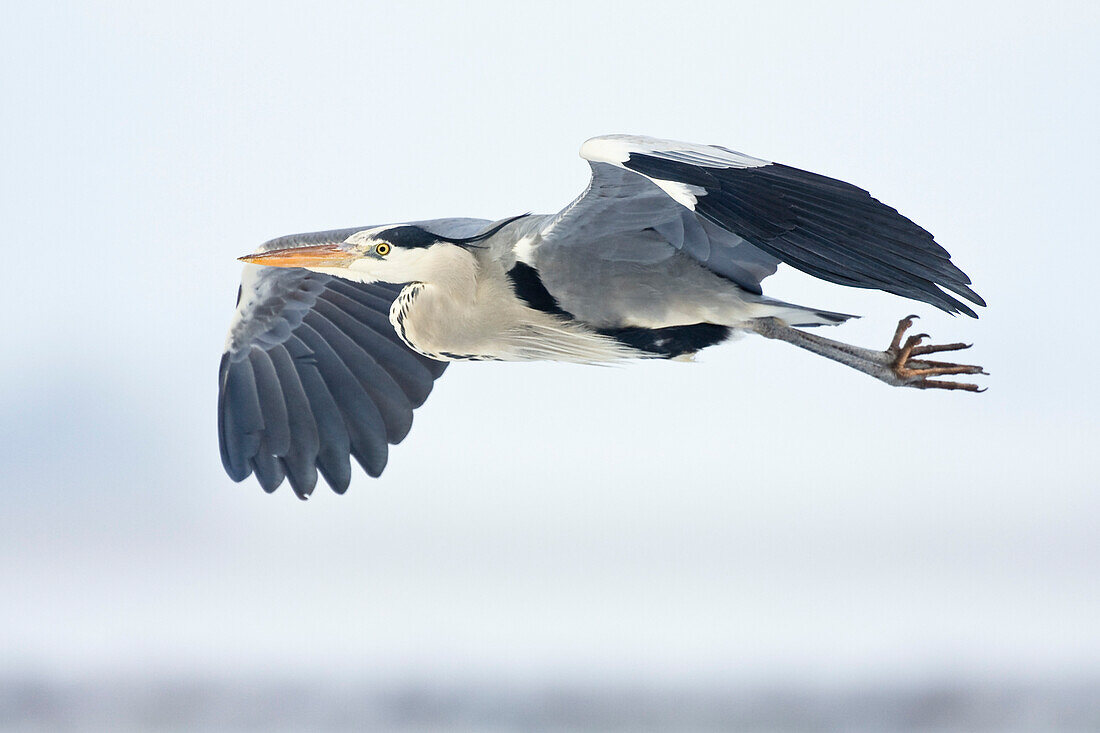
524 249
682 193
617 149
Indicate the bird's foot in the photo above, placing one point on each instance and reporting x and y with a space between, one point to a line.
910 372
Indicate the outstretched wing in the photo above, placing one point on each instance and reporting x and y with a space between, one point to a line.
740 216
313 373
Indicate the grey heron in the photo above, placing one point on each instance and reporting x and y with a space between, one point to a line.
339 335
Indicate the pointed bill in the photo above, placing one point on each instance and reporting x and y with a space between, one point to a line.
320 255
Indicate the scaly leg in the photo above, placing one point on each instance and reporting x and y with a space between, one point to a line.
895 366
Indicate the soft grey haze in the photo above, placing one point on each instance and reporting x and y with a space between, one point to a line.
760 516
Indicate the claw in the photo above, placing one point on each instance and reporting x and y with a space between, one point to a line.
903 325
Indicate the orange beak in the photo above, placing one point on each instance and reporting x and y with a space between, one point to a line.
318 255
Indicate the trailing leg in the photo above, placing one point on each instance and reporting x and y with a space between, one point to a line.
896 365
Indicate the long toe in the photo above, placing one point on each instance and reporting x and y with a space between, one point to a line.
936 348
939 384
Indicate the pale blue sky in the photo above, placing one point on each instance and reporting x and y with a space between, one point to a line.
762 512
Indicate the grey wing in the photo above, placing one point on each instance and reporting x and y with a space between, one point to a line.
740 216
313 373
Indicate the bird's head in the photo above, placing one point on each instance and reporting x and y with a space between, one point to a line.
392 253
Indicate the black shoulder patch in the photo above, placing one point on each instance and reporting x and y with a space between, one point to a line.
671 341
529 288
408 236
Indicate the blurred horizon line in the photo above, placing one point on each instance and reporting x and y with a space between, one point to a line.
186 700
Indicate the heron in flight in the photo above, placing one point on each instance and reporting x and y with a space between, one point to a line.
339 335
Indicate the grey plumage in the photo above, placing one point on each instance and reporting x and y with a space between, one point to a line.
334 346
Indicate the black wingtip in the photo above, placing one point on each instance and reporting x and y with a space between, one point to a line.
965 309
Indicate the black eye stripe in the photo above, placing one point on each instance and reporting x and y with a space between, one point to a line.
408 237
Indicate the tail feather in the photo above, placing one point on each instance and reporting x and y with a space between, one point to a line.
802 317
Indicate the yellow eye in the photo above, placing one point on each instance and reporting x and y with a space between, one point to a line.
382 249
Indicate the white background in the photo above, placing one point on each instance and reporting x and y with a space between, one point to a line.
763 513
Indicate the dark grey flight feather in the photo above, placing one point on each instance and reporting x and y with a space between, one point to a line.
383 392
300 460
334 445
272 403
240 420
361 417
